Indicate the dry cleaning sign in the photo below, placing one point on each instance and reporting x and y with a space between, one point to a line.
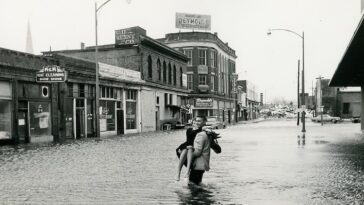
51 74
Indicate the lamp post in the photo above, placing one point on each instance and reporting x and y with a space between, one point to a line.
303 69
97 71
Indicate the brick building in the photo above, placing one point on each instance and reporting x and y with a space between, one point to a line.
210 73
161 97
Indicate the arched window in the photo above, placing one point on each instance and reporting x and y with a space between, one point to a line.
180 76
164 71
159 67
174 75
150 67
169 73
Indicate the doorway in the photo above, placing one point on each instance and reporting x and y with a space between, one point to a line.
120 121
80 123
23 126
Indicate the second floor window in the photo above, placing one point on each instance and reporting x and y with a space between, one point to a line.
150 68
212 83
159 68
188 53
202 56
202 79
190 81
213 58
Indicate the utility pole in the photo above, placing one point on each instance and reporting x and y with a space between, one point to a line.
298 93
320 107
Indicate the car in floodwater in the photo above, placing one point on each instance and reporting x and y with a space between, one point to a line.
326 118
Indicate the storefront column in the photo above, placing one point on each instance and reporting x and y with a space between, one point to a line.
62 97
362 108
14 128
55 114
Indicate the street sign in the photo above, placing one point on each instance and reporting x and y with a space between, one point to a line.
51 74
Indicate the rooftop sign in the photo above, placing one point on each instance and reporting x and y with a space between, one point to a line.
193 21
51 74
128 36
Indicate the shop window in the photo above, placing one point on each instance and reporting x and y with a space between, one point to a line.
150 67
107 92
107 115
40 119
5 119
131 109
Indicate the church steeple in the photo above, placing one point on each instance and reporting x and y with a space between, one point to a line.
29 42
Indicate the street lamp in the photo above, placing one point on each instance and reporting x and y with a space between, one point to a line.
303 69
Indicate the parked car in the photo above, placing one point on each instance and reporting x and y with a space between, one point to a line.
355 119
326 118
214 123
179 125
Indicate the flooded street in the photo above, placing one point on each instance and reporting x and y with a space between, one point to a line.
260 163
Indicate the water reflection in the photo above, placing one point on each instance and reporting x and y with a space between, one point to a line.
301 142
193 194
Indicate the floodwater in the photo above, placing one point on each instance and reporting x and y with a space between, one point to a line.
261 163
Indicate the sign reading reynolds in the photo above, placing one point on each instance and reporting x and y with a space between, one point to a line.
193 21
207 102
51 73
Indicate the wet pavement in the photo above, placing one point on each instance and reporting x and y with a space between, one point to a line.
260 163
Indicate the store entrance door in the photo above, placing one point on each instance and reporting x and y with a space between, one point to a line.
23 126
120 120
80 123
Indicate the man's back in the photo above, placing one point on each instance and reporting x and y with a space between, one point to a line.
202 152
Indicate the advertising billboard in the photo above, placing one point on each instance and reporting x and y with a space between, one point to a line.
193 21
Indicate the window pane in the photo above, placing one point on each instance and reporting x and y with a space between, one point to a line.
130 115
40 119
5 119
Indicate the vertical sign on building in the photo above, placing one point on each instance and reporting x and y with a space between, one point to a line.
234 79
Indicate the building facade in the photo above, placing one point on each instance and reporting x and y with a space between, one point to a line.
249 110
210 73
150 76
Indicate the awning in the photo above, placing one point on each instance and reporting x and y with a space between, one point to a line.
350 71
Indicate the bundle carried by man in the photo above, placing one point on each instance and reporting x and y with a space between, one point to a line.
213 140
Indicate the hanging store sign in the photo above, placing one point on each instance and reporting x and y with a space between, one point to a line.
106 70
193 21
207 102
51 74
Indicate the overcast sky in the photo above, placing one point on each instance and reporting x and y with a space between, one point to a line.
270 62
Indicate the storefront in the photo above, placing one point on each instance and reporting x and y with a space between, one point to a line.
79 111
34 112
111 112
